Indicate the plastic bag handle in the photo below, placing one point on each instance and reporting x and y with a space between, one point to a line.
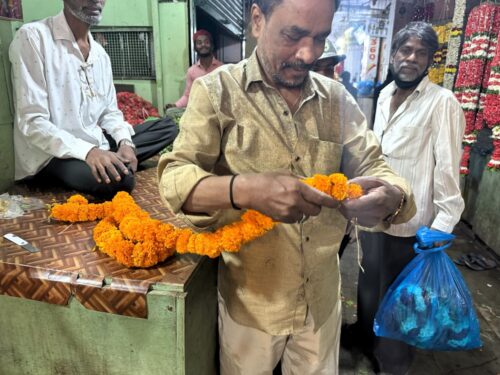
418 250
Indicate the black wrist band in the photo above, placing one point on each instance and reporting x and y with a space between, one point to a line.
231 193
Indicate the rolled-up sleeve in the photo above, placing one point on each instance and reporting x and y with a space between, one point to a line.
195 152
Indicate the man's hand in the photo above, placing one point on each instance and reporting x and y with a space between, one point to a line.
106 164
281 196
126 154
380 200
168 106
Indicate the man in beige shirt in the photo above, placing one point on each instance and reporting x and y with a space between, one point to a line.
249 130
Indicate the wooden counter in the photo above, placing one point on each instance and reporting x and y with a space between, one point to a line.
70 310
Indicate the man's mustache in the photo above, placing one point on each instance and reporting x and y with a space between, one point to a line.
297 65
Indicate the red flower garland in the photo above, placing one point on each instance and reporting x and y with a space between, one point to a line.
492 108
481 32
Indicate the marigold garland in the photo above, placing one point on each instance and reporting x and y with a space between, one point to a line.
437 69
129 235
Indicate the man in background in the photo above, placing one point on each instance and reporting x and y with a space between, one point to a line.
204 47
67 125
420 127
328 60
345 77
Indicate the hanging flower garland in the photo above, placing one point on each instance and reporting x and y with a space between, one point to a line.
493 39
481 26
128 234
436 71
454 44
492 109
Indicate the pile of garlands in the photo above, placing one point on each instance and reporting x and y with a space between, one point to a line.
128 234
134 108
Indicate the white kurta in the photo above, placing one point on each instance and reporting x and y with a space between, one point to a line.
62 102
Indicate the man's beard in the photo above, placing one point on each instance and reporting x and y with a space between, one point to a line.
204 54
79 14
279 80
406 85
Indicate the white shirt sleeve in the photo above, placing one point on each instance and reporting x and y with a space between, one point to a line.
448 130
111 119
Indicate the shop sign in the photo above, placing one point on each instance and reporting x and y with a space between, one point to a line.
370 59
377 27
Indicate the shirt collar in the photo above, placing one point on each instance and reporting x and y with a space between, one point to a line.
214 62
60 28
391 89
62 31
254 73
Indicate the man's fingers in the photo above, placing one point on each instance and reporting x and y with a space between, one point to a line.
366 182
102 173
121 166
308 209
114 172
317 197
95 173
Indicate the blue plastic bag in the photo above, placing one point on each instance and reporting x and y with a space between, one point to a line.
429 305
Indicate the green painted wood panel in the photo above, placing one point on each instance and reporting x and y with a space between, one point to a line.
177 338
116 12
173 49
482 202
486 222
6 109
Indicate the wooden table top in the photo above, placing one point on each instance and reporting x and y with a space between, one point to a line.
66 264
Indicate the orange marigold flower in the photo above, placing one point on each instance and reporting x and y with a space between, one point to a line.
77 199
183 240
354 191
320 182
128 234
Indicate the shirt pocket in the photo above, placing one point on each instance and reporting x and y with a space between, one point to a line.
407 144
322 157
249 148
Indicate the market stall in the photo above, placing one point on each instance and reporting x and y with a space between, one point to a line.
68 309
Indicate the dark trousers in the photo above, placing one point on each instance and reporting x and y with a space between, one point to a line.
384 257
150 138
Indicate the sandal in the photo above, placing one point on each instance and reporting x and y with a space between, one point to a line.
476 262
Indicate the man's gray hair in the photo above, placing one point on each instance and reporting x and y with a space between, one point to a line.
420 30
267 6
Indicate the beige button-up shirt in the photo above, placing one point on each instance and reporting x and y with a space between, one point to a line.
237 123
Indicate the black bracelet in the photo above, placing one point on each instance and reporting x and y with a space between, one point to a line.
231 193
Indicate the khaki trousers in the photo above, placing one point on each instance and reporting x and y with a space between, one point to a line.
249 351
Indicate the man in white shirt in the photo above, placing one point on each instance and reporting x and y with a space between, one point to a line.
420 127
67 124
